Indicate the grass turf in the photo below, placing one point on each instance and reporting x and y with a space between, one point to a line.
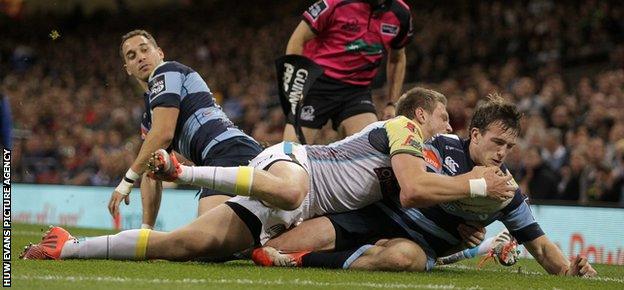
103 274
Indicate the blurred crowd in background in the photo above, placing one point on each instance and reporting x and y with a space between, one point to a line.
77 113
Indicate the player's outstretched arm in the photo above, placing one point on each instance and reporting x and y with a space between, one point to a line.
420 188
151 194
160 136
552 260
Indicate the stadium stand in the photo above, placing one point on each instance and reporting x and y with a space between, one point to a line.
76 111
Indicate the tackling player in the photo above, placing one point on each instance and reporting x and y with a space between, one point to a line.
288 183
181 114
419 235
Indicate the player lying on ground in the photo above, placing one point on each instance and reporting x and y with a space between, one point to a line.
288 183
414 237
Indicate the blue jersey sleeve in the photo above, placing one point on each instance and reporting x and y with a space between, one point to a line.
165 87
5 123
519 219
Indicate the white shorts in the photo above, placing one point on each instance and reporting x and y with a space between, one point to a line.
270 221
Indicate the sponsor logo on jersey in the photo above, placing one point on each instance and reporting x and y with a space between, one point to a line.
411 126
307 113
389 29
450 164
351 26
362 46
317 9
432 159
409 141
157 85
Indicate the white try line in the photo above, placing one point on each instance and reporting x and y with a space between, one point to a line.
522 271
295 282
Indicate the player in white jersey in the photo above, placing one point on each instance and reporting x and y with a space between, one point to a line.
287 183
386 236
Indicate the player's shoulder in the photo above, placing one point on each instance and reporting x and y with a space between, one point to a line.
172 66
402 123
450 138
446 142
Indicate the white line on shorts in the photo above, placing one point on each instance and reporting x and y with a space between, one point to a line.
295 282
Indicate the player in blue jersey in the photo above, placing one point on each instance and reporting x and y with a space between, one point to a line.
388 236
288 183
181 115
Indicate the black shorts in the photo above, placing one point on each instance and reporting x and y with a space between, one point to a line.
329 98
364 226
237 151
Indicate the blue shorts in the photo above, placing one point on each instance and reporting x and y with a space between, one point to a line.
236 151
369 225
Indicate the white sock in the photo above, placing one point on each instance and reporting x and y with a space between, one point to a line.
126 245
226 179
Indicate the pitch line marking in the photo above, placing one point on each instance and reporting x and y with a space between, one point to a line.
296 282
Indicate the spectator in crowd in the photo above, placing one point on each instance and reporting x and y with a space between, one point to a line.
539 181
561 62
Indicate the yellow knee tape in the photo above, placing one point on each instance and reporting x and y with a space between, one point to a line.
141 246
244 177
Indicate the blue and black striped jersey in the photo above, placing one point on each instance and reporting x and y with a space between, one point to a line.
201 123
437 225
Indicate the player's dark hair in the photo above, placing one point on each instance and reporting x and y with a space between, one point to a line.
418 97
495 109
134 33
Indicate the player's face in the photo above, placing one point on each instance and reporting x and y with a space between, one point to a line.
141 57
438 121
490 148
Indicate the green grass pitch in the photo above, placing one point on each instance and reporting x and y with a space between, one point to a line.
92 274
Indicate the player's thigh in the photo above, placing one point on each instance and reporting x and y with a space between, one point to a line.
209 202
289 133
354 124
217 233
356 112
310 134
316 234
292 174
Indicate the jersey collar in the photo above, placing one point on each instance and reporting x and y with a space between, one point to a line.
153 71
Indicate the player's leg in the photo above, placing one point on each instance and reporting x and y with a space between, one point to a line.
316 234
310 134
284 184
354 124
502 247
338 231
356 112
231 152
209 202
218 233
388 255
393 255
